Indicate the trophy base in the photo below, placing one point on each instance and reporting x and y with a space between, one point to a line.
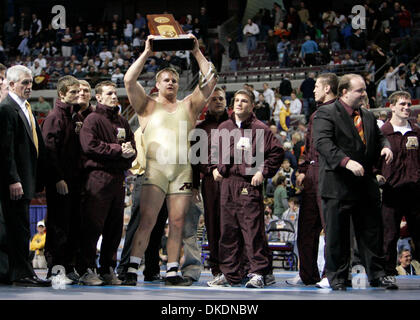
181 42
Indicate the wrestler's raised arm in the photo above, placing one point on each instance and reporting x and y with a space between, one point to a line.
135 91
207 80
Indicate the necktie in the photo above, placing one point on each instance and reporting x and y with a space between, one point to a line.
31 117
359 125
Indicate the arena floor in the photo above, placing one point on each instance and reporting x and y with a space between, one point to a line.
409 290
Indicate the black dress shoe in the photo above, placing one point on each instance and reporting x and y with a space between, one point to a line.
387 282
33 281
339 287
154 278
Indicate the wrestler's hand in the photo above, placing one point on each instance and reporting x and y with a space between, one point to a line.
381 179
299 180
216 175
148 47
62 188
356 168
388 155
196 45
196 196
257 179
16 191
128 153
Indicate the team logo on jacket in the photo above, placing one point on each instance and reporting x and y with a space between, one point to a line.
412 143
120 134
244 191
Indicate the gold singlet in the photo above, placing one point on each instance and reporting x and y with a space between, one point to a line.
167 147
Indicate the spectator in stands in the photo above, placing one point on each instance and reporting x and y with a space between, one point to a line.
234 54
117 77
3 83
413 81
35 29
279 12
140 22
295 104
308 51
269 95
304 17
381 93
292 20
307 89
278 106
41 106
271 46
36 69
10 30
357 42
251 31
66 43
23 47
285 88
78 72
280 195
407 266
216 51
383 115
37 245
203 21
292 214
284 116
370 90
262 109
383 40
391 78
128 31
404 22
289 173
283 48
347 59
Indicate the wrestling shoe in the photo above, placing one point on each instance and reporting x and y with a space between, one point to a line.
90 278
323 284
111 279
269 279
130 279
256 281
178 281
74 276
296 281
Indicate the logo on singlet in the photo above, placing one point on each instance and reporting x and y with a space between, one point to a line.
186 186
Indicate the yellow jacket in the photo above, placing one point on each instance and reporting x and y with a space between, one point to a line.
38 243
284 113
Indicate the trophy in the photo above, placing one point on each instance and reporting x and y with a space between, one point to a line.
169 34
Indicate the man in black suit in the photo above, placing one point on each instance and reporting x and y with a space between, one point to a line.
349 190
21 149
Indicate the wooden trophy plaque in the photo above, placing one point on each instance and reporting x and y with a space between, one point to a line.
170 36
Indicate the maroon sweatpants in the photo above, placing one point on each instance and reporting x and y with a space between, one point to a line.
210 191
310 224
242 229
102 214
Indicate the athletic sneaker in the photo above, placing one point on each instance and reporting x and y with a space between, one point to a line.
220 281
130 279
296 281
111 279
90 278
323 284
178 281
64 277
256 281
269 279
74 276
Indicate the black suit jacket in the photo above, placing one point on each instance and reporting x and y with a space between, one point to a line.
336 137
19 161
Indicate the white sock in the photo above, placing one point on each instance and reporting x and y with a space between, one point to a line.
172 265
